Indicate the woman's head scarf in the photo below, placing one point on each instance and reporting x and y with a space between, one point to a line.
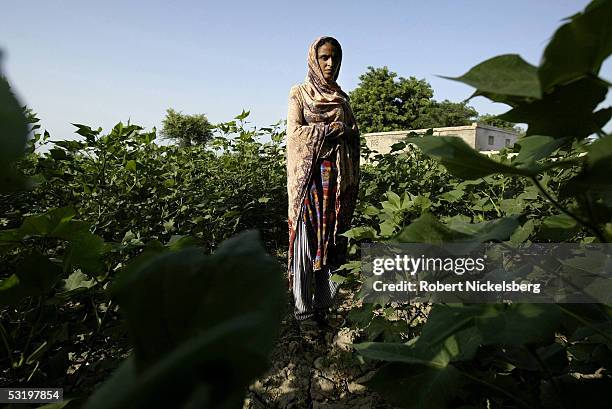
315 74
323 99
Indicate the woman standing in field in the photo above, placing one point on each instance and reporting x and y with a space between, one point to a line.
322 180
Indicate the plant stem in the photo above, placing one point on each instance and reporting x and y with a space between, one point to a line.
584 223
497 389
33 329
585 322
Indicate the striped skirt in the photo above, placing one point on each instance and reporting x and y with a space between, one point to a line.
312 288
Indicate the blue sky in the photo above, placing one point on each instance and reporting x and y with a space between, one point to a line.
98 63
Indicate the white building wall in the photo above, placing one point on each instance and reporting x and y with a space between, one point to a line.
475 135
500 138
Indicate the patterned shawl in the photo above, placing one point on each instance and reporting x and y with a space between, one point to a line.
314 105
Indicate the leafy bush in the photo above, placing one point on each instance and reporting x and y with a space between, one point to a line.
186 129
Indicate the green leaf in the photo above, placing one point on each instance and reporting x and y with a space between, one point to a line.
71 146
536 147
131 165
522 233
398 147
171 380
58 154
85 251
559 221
179 242
9 239
387 331
242 115
599 151
461 160
337 278
460 344
428 229
518 324
454 331
506 74
11 292
13 134
558 115
578 47
595 178
353 266
531 192
417 386
371 211
558 228
394 352
453 195
65 404
35 276
491 230
511 206
148 294
361 315
168 225
360 233
87 132
77 280
387 228
394 199
496 323
422 203
56 222
184 331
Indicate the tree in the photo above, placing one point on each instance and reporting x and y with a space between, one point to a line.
186 129
382 103
493 120
445 113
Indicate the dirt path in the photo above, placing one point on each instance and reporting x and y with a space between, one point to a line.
317 369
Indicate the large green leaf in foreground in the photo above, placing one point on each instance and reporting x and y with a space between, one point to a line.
578 47
428 229
462 160
201 326
13 133
506 74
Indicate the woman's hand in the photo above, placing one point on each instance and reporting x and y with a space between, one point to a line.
337 129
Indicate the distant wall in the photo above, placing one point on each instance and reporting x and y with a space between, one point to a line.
475 135
500 138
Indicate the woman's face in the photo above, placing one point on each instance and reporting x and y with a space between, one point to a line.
329 60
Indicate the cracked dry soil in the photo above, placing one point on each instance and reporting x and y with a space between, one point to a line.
316 369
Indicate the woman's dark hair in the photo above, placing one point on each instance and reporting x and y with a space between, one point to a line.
332 41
